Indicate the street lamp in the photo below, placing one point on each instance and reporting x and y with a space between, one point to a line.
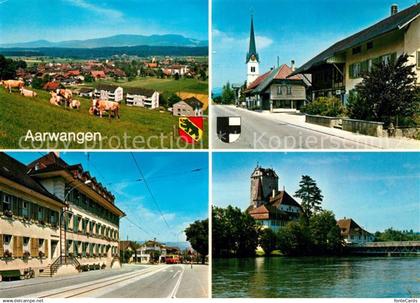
60 219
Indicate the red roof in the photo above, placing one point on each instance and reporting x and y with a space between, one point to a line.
51 85
285 71
258 80
73 73
98 74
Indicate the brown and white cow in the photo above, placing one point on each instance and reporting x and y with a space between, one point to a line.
102 106
55 99
74 104
65 93
9 84
27 92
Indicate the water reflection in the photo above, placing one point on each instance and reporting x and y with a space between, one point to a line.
317 277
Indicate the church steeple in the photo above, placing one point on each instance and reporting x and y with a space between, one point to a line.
252 58
252 45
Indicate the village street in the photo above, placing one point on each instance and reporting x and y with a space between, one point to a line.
132 281
265 130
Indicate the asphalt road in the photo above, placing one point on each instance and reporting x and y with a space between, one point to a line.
132 281
260 132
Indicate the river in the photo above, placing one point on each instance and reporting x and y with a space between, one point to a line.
346 277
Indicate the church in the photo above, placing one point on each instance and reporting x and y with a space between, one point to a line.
274 89
269 206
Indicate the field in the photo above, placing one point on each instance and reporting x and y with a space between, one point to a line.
19 114
162 85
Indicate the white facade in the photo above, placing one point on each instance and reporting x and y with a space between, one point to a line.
151 102
253 70
109 95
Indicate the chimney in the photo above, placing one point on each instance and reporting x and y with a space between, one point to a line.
394 9
293 65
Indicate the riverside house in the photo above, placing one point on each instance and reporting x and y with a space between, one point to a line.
352 233
338 69
55 219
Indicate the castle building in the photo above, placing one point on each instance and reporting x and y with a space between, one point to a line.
252 58
55 218
269 206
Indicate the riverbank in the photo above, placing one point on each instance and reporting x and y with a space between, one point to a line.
319 277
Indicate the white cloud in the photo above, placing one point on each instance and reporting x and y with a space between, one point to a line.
110 13
4 1
222 40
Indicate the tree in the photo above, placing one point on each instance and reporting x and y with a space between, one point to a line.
228 95
7 68
387 93
174 98
176 76
324 233
310 195
268 240
294 239
198 235
37 83
89 78
235 233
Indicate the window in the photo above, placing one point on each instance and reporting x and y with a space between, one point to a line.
357 50
289 89
25 241
7 239
355 70
53 217
25 209
40 213
369 45
252 69
279 91
7 202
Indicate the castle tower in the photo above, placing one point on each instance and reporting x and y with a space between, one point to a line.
263 182
252 59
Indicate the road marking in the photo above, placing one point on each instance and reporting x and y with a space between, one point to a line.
78 289
176 274
178 283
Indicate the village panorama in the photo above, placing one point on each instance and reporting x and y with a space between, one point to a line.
109 97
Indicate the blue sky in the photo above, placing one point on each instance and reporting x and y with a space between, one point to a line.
58 20
291 29
182 195
378 190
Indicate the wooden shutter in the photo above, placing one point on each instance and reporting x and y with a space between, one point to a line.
46 247
14 206
34 247
1 246
18 246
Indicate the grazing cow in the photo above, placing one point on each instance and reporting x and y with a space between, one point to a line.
74 104
65 93
57 99
27 92
101 106
9 84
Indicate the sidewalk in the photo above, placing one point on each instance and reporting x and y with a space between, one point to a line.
298 120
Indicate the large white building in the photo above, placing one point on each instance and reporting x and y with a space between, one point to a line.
109 93
55 218
142 97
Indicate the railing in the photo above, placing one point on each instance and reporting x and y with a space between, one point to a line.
64 260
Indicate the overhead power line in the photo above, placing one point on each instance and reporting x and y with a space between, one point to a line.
149 190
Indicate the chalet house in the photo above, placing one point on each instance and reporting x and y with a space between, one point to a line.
54 214
142 97
276 90
191 107
98 74
109 92
51 86
340 68
150 251
269 206
352 233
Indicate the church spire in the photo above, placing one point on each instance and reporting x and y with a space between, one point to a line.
252 53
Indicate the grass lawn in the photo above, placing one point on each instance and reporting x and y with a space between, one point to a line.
162 85
19 114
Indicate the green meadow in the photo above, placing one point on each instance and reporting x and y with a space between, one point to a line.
151 128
